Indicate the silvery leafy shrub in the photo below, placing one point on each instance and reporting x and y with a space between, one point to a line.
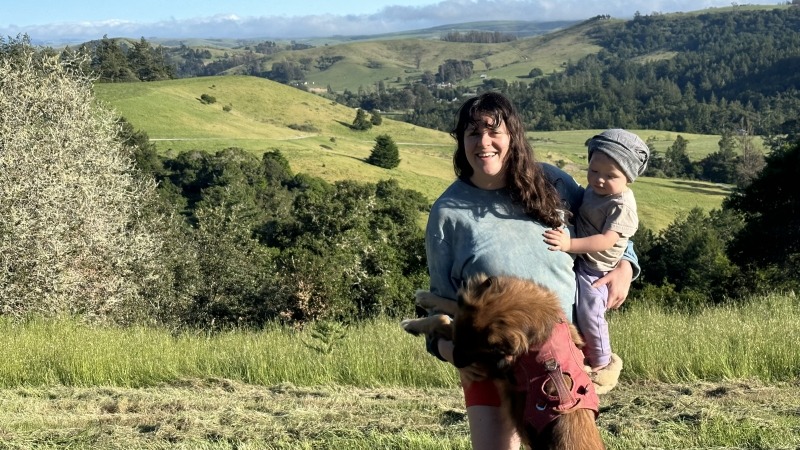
75 238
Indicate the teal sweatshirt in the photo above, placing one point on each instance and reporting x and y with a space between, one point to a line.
472 231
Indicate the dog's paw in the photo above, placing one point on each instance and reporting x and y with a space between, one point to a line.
410 326
606 379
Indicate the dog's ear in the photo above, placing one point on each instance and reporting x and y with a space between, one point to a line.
476 287
486 284
518 343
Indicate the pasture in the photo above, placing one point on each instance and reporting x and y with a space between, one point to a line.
265 115
720 378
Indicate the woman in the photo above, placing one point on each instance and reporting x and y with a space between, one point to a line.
490 220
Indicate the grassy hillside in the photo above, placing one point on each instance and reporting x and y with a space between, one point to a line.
262 114
392 61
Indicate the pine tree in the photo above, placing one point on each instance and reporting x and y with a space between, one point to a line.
385 153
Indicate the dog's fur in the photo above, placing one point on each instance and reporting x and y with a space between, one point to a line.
497 320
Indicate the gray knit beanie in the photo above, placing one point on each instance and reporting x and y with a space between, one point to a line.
625 148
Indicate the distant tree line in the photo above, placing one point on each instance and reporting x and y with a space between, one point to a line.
479 37
115 60
737 161
693 74
453 71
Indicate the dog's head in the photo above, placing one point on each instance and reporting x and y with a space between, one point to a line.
498 319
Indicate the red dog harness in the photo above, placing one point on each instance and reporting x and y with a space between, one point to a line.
557 357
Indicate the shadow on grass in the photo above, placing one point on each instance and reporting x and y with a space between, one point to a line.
703 188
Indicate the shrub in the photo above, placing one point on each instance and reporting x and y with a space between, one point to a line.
75 236
376 119
305 127
207 99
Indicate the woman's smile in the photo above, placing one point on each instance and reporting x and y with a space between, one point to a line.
486 145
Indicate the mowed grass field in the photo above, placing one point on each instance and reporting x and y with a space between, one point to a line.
315 136
720 378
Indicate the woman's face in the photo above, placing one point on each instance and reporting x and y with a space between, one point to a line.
486 146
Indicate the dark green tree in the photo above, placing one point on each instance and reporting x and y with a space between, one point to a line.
676 159
110 63
385 153
352 250
690 257
148 63
720 166
361 122
771 207
376 119
286 71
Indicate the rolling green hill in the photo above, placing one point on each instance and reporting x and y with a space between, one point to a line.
265 115
366 62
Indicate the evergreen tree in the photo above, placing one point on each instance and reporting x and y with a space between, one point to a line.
385 153
720 166
110 62
376 119
676 159
361 122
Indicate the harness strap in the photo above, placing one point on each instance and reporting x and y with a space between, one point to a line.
565 399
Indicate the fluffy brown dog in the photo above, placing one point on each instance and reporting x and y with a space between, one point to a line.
518 332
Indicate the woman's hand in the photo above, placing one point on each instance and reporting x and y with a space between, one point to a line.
618 282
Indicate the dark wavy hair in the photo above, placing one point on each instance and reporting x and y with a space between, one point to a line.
525 178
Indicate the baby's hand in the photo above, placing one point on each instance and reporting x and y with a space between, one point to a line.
557 239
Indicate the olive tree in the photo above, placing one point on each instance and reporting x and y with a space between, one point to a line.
75 235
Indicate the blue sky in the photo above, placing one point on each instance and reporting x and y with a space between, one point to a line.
77 21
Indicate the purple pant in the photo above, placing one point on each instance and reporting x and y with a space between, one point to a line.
590 316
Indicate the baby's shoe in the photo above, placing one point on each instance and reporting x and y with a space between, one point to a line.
606 378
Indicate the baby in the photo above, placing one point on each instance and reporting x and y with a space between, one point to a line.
606 220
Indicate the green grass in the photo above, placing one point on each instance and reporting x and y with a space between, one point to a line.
722 378
718 343
42 352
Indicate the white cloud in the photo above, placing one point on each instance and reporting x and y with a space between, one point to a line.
389 19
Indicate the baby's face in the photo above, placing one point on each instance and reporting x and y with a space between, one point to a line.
604 175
